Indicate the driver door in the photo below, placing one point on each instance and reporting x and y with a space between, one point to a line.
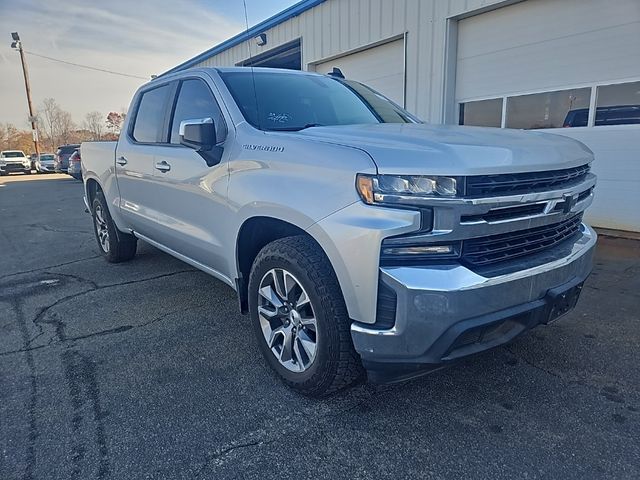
190 198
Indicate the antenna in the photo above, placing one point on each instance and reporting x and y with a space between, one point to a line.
253 76
336 72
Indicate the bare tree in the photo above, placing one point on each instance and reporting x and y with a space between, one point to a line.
66 126
49 113
94 123
56 123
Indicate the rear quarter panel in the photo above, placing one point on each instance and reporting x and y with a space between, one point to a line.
98 163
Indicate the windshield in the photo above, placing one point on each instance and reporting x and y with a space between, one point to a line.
46 157
12 154
294 102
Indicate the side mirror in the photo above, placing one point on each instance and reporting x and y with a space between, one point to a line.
199 134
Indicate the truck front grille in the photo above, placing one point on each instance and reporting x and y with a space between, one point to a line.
506 246
518 183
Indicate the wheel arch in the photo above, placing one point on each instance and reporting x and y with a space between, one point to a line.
255 233
92 187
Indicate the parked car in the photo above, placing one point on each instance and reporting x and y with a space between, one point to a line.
14 161
45 163
62 157
75 169
355 235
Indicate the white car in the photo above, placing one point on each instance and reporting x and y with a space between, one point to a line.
44 163
14 161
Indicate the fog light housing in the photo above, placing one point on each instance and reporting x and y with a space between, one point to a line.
418 250
413 250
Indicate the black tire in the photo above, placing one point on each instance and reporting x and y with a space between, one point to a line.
115 246
336 364
28 172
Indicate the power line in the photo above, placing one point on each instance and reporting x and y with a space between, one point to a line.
86 66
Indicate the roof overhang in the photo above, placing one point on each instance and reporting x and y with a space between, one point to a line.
283 16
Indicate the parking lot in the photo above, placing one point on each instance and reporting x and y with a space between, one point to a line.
147 370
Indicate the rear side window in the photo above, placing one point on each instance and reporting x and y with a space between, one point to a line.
149 121
195 100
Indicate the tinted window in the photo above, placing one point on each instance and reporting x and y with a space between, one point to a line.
12 154
483 113
546 110
618 104
292 101
67 149
195 100
149 119
46 157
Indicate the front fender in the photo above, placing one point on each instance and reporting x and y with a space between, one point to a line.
351 238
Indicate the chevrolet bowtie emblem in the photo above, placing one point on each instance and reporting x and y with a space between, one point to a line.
569 202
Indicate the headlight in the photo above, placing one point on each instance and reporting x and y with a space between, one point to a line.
404 189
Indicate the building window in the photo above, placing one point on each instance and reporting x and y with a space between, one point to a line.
483 113
618 104
562 108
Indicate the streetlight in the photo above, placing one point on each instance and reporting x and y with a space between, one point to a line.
17 44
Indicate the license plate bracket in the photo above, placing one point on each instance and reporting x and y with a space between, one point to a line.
561 300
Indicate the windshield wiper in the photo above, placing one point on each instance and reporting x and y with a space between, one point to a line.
296 129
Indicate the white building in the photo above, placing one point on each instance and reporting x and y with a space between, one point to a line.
544 64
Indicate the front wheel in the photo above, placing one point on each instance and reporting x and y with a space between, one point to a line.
300 318
115 246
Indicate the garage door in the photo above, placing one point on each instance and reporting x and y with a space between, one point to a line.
547 64
381 68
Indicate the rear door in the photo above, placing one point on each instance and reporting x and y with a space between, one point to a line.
190 197
138 145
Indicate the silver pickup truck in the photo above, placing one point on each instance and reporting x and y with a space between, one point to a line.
357 237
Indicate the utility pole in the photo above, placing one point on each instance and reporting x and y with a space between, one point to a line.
17 44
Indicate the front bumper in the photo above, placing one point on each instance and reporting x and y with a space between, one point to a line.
46 167
446 312
15 167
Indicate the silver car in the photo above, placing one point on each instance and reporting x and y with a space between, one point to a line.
45 163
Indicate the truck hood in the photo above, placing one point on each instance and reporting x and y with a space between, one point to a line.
454 150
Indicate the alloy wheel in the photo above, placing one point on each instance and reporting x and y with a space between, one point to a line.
101 228
287 320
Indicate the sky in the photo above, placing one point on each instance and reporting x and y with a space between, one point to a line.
137 37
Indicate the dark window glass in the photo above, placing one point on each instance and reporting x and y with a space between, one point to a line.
67 149
195 100
12 154
483 113
618 104
294 101
149 119
561 108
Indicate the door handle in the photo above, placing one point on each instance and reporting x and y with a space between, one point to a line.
121 161
163 166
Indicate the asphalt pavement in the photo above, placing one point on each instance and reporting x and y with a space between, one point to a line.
147 370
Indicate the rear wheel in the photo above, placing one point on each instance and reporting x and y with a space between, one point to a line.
300 318
115 246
